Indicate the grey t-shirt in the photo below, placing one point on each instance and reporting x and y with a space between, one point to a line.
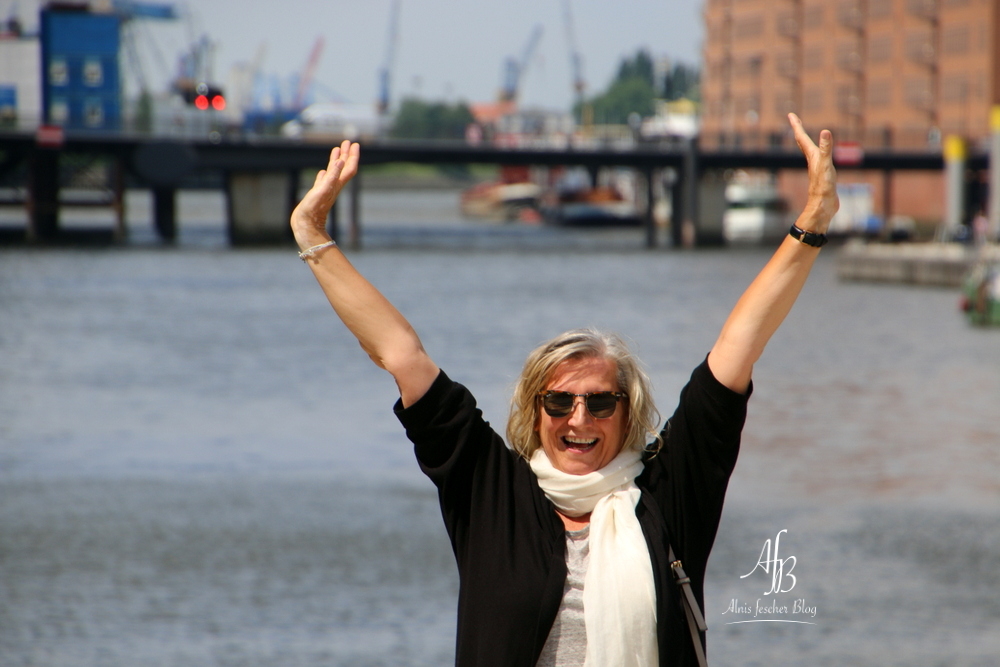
566 645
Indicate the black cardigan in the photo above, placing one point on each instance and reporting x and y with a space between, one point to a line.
510 544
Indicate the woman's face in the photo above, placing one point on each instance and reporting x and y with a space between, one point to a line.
579 443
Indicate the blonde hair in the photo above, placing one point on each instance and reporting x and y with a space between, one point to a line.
642 415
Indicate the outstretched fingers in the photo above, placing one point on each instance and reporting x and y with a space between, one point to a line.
343 165
822 174
803 140
826 142
311 213
351 155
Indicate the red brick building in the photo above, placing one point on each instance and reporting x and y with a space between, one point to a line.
893 73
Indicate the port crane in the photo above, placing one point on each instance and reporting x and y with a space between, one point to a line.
385 72
304 87
575 61
514 69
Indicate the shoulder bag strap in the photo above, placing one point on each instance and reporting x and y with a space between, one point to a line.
695 621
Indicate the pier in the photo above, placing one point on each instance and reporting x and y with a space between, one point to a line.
931 264
261 176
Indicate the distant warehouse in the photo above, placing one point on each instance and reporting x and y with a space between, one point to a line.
898 74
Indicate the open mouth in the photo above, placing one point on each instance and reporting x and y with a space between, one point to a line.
579 444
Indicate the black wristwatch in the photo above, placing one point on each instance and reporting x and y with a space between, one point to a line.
809 238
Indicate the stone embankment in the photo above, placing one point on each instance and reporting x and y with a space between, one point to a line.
941 264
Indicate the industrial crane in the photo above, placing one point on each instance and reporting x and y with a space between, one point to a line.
308 73
385 73
576 63
129 11
514 69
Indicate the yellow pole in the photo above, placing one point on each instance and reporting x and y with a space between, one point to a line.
954 170
994 207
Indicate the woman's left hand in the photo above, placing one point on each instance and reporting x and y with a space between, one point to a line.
823 202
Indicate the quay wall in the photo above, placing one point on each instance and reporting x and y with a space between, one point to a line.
936 264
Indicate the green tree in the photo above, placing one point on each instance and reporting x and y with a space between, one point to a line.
417 119
639 67
636 86
682 81
631 92
622 99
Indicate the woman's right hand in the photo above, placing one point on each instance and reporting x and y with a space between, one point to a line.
309 217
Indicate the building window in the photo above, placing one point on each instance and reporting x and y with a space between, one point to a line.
925 9
880 49
812 58
787 65
920 47
812 99
93 73
917 92
787 24
750 26
783 103
812 16
93 113
954 89
750 66
848 57
955 39
879 93
847 99
878 9
59 112
850 15
58 72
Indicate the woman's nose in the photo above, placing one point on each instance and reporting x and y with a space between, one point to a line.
579 414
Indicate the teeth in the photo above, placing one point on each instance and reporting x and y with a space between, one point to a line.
580 441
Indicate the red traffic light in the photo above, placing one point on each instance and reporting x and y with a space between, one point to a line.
201 101
218 102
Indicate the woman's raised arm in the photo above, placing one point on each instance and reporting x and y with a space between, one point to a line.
383 332
764 305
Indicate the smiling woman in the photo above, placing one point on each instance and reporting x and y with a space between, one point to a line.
564 544
580 362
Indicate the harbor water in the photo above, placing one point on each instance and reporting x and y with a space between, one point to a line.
200 468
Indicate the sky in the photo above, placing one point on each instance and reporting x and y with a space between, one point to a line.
445 50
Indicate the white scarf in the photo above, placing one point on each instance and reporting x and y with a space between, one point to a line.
619 599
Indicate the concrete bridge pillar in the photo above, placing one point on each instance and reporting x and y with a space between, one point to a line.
43 196
165 213
258 204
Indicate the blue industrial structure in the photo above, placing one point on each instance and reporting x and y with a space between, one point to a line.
81 81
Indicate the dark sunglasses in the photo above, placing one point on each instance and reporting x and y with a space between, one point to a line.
600 404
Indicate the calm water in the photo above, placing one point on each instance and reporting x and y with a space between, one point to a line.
198 465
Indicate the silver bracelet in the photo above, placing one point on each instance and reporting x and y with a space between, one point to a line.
306 254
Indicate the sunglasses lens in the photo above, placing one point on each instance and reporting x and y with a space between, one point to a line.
558 403
602 405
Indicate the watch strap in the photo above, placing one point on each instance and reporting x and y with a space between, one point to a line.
809 238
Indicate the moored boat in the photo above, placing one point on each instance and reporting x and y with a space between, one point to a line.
981 294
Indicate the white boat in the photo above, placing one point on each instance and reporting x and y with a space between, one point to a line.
755 213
